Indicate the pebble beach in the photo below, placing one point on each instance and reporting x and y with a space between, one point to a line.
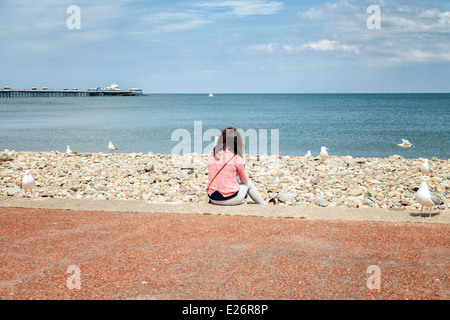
336 181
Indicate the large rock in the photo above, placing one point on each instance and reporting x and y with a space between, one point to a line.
372 193
13 191
5 157
321 202
356 191
286 197
149 167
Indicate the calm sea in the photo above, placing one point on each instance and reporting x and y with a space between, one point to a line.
360 125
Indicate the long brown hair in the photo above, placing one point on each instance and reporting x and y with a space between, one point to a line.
230 138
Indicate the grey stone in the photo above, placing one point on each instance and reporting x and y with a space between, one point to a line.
5 157
285 197
321 202
372 193
75 187
90 192
13 191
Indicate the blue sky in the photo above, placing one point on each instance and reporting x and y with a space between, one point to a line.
227 46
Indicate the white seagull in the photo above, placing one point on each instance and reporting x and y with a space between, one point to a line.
68 150
425 197
323 152
111 147
28 183
308 154
425 167
405 144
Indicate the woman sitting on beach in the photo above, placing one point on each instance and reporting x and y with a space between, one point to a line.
228 183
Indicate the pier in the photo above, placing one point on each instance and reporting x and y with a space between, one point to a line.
113 90
4 93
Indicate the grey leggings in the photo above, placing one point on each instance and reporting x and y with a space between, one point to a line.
244 189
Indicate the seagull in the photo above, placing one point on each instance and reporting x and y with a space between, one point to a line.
425 167
111 147
323 152
405 144
28 183
308 154
69 151
425 197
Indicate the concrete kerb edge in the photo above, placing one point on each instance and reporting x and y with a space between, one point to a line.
277 211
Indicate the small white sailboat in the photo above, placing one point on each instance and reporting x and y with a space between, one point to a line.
211 95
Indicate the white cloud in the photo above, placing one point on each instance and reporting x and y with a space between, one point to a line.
420 55
266 48
409 33
288 48
330 45
177 21
321 45
312 13
244 8
209 12
273 48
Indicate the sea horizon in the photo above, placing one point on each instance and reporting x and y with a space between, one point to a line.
250 92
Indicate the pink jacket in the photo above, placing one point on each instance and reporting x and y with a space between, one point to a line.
225 182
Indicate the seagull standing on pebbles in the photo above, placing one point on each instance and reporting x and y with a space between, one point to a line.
323 152
425 167
28 183
308 154
111 147
425 197
405 144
